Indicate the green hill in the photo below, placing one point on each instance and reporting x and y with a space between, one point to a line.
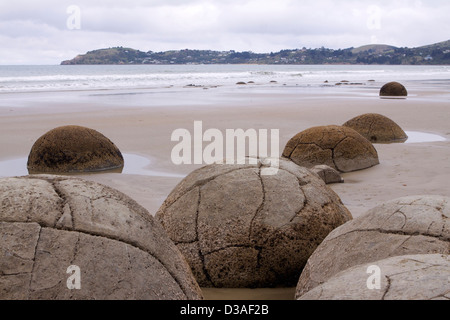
435 54
439 45
374 48
118 55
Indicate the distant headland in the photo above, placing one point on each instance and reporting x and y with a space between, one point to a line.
435 54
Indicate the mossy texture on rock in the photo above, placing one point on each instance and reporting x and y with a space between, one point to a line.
48 223
338 147
239 228
71 149
393 89
377 128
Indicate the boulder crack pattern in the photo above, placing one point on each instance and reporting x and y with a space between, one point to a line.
54 182
34 261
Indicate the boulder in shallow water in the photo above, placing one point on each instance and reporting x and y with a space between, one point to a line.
393 89
72 149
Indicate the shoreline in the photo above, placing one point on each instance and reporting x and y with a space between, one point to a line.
143 127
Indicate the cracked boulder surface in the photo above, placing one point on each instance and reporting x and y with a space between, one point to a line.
338 147
393 89
410 277
48 223
405 226
377 128
240 228
71 149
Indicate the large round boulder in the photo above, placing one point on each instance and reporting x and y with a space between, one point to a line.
411 277
66 238
405 226
70 149
239 226
338 147
377 128
393 89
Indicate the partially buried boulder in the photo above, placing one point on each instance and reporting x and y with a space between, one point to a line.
53 227
393 89
71 149
405 226
327 174
338 147
411 277
238 227
377 128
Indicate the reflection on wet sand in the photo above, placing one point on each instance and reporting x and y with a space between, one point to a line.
134 164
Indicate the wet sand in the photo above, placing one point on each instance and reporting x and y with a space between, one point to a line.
142 125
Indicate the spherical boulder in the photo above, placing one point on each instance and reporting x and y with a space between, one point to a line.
410 277
241 226
405 226
338 147
393 89
66 238
377 128
70 149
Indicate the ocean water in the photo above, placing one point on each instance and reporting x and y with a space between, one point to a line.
16 79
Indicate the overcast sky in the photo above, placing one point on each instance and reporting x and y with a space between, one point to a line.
49 31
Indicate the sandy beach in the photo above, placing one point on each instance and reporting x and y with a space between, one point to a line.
141 124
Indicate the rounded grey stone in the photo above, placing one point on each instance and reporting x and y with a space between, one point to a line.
405 226
411 277
49 223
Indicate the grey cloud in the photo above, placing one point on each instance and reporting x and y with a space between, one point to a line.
256 25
